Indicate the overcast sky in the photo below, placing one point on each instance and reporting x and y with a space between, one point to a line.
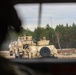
52 14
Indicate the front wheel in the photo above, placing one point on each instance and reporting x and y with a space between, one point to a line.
11 53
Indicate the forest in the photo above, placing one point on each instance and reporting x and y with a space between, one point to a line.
61 36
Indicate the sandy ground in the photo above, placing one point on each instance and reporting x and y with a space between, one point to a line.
66 56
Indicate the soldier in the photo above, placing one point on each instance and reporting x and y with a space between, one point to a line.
15 48
44 38
20 47
11 48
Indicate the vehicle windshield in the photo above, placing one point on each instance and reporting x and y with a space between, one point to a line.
58 26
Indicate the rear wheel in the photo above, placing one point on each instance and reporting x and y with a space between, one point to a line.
45 52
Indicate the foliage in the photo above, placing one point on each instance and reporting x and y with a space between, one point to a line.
65 34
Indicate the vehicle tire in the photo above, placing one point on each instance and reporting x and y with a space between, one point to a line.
11 53
45 52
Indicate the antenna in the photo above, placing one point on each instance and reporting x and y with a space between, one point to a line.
39 18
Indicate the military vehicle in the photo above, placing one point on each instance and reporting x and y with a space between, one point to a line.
25 47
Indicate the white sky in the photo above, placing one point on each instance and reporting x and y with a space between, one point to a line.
52 14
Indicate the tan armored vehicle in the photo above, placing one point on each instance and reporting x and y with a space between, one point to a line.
24 47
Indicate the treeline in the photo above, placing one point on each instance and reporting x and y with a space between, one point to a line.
61 36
